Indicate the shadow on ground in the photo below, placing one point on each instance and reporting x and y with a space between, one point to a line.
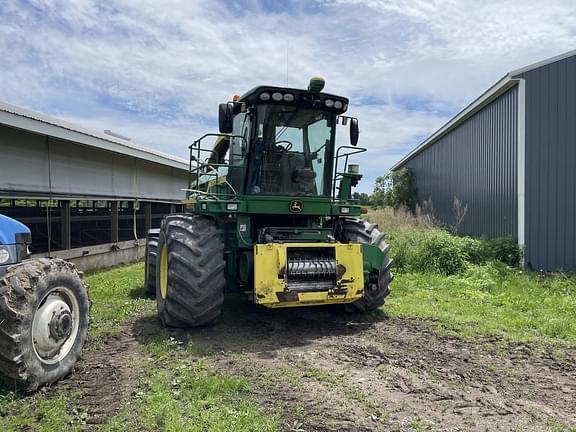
245 327
140 293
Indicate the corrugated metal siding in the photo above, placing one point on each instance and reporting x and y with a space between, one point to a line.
42 124
476 163
551 166
29 165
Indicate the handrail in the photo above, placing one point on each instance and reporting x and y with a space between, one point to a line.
337 175
203 168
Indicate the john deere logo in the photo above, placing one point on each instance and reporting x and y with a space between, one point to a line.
296 206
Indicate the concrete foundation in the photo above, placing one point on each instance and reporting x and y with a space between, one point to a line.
102 256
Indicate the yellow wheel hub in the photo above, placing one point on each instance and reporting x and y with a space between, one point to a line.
164 271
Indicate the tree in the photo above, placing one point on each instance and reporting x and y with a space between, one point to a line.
395 189
361 197
381 186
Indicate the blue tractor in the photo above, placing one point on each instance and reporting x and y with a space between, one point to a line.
44 312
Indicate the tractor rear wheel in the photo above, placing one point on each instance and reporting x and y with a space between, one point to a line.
353 230
190 271
44 316
150 261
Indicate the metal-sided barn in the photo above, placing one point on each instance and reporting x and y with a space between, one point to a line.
510 158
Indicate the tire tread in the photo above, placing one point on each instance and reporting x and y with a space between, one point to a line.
18 301
195 271
360 231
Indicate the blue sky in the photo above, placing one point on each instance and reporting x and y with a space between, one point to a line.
156 70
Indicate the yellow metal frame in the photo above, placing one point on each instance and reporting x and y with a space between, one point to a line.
164 271
270 286
216 182
190 201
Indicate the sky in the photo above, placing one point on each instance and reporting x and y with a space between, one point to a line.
155 71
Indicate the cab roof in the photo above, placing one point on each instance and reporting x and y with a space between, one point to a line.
301 98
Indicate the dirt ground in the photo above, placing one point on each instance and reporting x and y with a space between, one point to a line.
105 378
323 370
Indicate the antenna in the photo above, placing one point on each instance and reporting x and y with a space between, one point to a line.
287 46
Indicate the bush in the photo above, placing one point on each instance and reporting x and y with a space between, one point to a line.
503 249
434 250
428 250
400 243
474 249
438 252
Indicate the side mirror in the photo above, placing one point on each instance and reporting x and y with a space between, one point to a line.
354 132
225 117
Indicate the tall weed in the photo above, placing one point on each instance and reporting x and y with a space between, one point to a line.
419 246
428 250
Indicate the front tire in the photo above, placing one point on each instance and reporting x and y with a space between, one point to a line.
351 230
190 271
44 317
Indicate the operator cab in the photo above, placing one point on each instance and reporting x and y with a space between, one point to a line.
283 140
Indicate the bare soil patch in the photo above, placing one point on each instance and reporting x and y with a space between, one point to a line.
105 378
328 371
324 370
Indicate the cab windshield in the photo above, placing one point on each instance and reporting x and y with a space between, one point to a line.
291 151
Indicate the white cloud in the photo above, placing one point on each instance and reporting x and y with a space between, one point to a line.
155 71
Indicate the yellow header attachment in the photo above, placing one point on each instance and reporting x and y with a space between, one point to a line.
307 274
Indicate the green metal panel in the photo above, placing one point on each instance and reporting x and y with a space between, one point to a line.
248 204
344 209
373 258
285 205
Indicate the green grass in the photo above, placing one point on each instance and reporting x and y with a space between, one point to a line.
38 412
480 298
116 296
175 391
490 300
180 393
177 388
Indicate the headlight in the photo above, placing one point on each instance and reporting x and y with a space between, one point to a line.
4 255
232 206
288 97
329 103
7 254
265 96
338 105
277 96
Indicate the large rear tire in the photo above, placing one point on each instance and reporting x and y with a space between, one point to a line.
150 261
44 317
353 230
190 271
